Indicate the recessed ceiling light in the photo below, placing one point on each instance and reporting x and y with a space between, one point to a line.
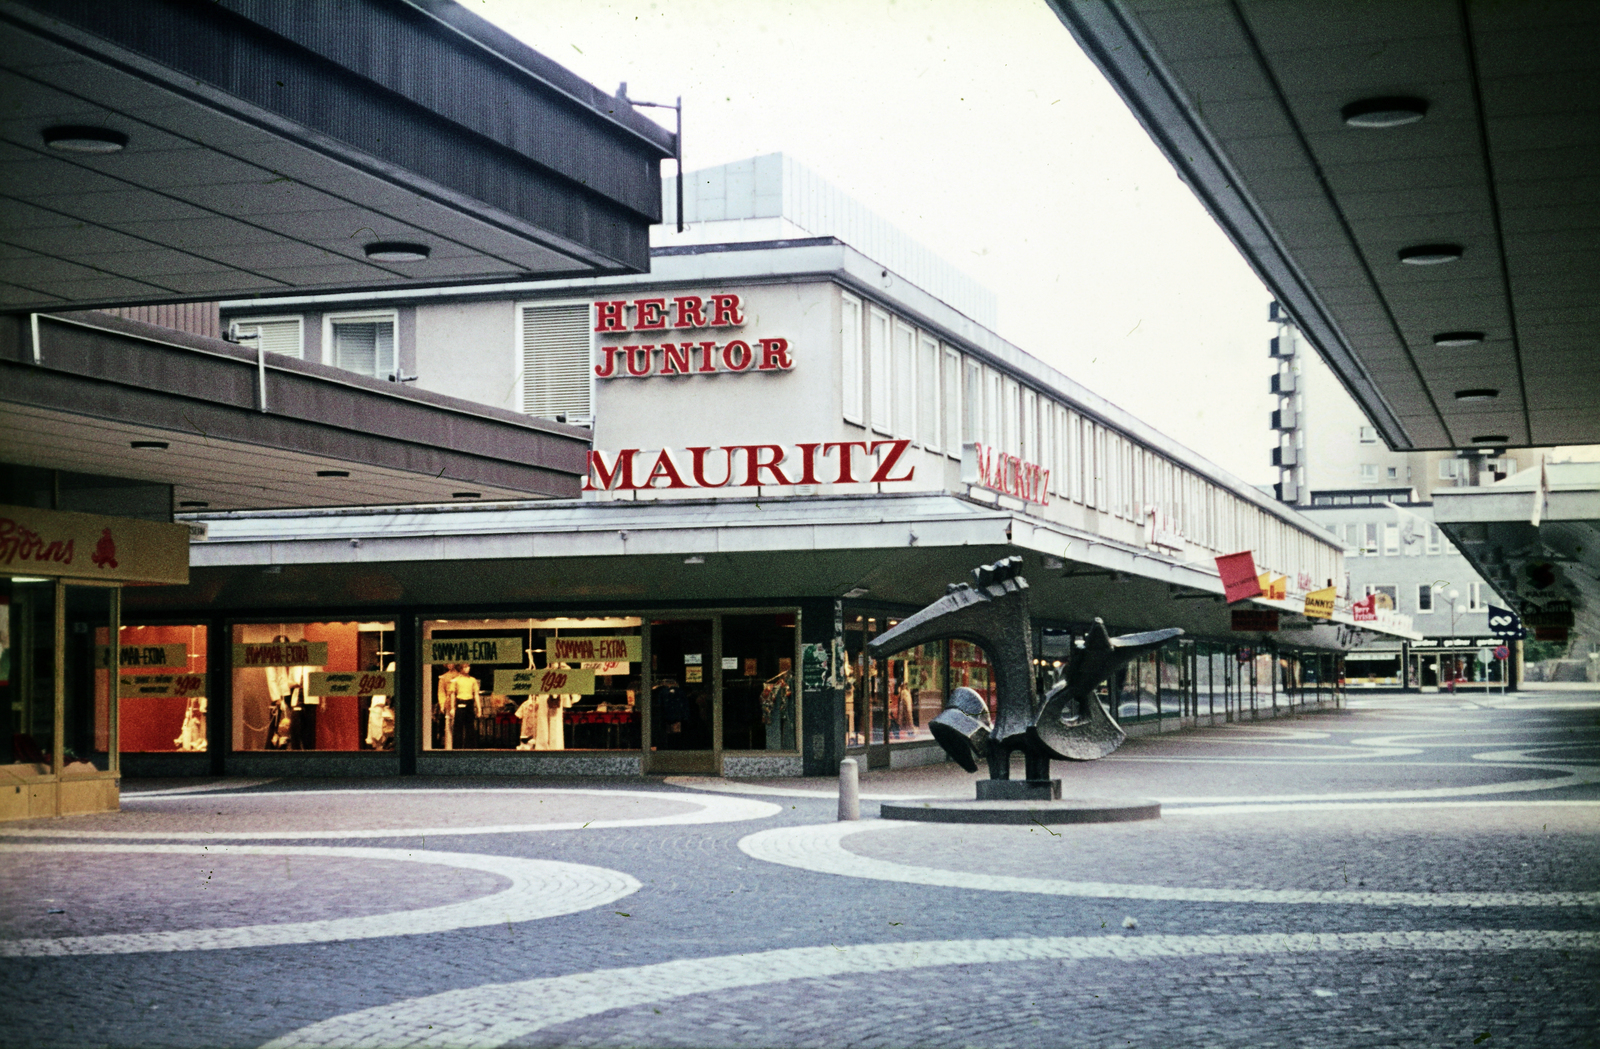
1430 254
397 251
193 502
78 138
1483 394
466 495
333 473
157 445
1490 438
1384 112
1458 338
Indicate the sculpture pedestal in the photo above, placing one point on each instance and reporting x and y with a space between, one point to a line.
1019 790
1042 811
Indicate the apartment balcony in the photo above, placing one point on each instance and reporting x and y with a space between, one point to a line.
1283 382
1284 418
1285 455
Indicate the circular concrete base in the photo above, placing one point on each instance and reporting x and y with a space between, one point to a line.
1066 810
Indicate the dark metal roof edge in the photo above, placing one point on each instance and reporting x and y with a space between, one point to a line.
741 245
525 60
170 337
1108 38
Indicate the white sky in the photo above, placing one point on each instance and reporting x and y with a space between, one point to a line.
981 129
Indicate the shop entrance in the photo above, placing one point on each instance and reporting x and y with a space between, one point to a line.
685 698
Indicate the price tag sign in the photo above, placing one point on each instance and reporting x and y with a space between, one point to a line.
552 681
365 683
161 686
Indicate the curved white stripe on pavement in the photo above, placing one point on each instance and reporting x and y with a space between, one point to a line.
713 809
817 848
220 787
494 1014
725 786
1355 806
538 889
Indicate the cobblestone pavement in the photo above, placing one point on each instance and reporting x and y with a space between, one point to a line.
1414 871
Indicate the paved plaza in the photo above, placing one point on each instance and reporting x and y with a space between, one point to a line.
1411 871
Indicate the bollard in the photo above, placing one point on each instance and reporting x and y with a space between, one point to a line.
849 790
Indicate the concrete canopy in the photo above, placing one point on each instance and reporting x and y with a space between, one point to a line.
1250 100
251 148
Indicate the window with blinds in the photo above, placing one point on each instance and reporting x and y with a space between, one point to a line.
556 363
363 344
273 334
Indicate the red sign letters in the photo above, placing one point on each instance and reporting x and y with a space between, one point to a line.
750 465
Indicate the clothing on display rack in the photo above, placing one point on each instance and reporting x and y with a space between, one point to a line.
192 736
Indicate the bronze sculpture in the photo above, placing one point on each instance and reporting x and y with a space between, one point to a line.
1069 722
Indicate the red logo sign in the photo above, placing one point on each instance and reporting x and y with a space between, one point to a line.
18 543
1239 579
105 551
1005 473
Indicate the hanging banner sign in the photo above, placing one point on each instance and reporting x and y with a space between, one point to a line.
363 683
88 546
173 655
437 650
282 654
1256 619
1273 589
552 681
1319 603
160 686
1554 614
1239 579
627 648
997 471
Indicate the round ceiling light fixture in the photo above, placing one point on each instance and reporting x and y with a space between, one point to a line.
1451 339
1430 254
1384 112
81 138
1480 394
397 251
1490 438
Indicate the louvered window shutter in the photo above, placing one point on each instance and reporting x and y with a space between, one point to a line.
275 336
556 362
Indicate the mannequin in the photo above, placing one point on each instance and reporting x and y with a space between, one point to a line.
463 692
542 724
445 707
288 725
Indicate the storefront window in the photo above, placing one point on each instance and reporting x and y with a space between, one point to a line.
551 683
860 683
758 681
313 686
162 690
27 670
969 668
915 682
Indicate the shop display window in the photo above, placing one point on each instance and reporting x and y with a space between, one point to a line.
863 723
916 693
758 681
27 671
969 668
313 686
551 683
162 690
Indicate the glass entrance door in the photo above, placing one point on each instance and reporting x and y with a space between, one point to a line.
685 698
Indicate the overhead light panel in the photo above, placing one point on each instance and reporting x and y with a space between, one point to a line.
466 495
195 504
1450 339
1480 394
159 446
397 251
1430 254
79 138
1491 438
333 473
1384 112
